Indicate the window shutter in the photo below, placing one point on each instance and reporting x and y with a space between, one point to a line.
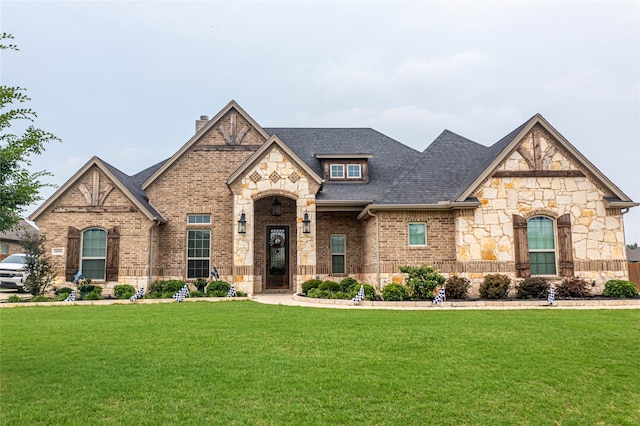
73 253
113 253
565 245
521 246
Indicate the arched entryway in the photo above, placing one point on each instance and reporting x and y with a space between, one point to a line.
275 248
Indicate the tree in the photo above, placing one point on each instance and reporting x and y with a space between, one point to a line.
19 187
38 268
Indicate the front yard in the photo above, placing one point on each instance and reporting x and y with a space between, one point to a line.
247 363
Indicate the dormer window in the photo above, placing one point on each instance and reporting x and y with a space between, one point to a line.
345 167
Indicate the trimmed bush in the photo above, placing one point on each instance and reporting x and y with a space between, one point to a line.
573 287
348 284
532 288
422 281
316 293
370 292
124 291
165 286
330 286
196 293
95 294
40 298
63 290
457 287
495 286
200 284
14 299
395 292
218 288
310 284
620 288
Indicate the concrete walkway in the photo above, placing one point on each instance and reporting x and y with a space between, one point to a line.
296 300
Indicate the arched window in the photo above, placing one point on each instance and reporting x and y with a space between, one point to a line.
94 253
542 245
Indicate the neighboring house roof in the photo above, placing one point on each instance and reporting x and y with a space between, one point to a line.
633 255
16 234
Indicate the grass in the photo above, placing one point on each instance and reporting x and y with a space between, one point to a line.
245 363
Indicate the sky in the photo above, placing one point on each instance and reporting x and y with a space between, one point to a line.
125 81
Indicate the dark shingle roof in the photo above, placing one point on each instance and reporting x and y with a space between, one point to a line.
390 157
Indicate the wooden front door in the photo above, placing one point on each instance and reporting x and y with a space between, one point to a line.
277 250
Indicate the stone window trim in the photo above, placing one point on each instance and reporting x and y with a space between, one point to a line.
199 219
417 242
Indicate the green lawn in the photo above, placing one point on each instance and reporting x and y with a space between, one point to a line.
249 364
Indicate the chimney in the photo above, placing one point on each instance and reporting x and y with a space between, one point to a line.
200 123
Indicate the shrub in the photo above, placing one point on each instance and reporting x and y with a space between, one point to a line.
218 288
200 284
348 284
310 284
422 280
620 288
316 293
457 287
63 290
532 288
330 286
395 292
124 291
166 286
14 299
40 298
197 293
95 294
369 292
495 286
84 285
573 287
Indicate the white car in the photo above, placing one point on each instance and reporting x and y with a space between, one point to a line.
12 272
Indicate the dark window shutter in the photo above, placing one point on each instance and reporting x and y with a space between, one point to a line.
73 252
565 245
521 246
113 253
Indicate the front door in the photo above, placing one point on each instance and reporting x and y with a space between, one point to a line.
277 258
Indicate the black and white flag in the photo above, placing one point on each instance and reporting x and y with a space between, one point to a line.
440 296
138 294
359 297
552 296
181 294
232 291
214 273
71 297
77 277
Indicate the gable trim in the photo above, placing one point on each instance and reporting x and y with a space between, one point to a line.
195 138
271 141
94 161
539 119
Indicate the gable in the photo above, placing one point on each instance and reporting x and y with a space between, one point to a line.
232 129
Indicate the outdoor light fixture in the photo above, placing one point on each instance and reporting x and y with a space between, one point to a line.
242 224
306 224
276 207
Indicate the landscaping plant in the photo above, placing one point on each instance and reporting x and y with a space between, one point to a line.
495 286
422 281
532 288
620 288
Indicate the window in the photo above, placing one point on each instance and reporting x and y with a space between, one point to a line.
542 249
417 234
337 171
199 218
337 254
198 253
94 253
353 171
5 249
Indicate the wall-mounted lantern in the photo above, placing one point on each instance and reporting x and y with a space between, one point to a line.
306 224
276 207
242 224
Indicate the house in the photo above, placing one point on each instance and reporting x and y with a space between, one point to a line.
10 240
270 208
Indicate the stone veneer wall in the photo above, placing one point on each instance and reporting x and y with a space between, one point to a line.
134 230
274 174
485 237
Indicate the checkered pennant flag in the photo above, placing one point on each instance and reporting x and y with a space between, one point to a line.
214 273
138 294
77 277
71 297
359 297
552 296
232 291
440 296
181 294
